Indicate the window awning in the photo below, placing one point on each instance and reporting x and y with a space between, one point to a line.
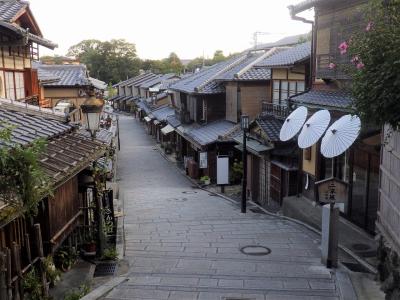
147 119
167 129
252 146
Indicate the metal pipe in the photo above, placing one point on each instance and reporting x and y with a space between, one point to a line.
293 14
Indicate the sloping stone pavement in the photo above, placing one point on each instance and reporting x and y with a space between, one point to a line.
184 243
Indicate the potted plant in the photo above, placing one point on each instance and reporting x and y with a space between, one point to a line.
52 274
65 258
89 248
32 286
205 180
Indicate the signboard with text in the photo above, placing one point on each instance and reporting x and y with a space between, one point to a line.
332 190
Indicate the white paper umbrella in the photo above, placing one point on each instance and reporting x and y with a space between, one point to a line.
314 128
293 123
340 136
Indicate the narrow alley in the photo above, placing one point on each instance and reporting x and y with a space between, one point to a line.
184 243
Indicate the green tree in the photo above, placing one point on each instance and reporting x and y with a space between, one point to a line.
374 64
110 61
172 64
218 56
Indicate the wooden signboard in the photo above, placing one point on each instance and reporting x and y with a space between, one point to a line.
332 190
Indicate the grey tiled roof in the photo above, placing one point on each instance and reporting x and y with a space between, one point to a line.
256 74
10 9
271 126
209 133
286 41
230 74
70 75
203 82
165 84
288 57
162 113
173 121
133 79
157 80
98 84
143 105
335 99
29 127
140 81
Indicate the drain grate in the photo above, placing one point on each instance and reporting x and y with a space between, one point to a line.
189 192
105 269
355 267
255 250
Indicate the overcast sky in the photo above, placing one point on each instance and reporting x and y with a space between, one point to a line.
159 27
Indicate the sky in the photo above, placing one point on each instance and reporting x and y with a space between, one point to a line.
159 27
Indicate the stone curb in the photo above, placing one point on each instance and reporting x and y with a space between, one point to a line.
104 289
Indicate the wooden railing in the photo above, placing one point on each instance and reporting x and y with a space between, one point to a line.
277 110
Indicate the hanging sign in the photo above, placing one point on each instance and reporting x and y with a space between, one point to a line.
332 190
203 163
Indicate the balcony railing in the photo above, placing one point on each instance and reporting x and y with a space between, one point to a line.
277 110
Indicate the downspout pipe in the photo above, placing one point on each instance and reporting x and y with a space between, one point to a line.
293 14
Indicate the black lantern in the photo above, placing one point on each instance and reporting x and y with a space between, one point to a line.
92 108
244 122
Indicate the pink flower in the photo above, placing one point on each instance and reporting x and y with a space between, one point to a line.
360 65
332 66
343 48
369 26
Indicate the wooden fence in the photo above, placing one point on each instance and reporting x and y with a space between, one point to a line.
12 268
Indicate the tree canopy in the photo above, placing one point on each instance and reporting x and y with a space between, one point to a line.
110 61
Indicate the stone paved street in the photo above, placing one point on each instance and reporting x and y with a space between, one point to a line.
183 243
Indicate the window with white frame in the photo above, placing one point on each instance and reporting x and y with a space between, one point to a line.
15 86
19 85
10 86
283 89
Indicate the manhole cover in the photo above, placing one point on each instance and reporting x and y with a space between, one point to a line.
105 269
255 250
189 192
360 247
177 199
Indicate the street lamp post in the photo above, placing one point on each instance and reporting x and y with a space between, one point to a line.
92 108
244 123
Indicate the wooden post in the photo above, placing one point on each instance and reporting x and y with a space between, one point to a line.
39 247
28 248
9 274
3 270
18 292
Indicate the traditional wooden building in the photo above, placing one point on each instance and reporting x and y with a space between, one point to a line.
68 84
358 166
272 165
20 39
61 216
200 106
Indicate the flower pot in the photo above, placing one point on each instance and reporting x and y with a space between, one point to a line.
90 247
206 182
